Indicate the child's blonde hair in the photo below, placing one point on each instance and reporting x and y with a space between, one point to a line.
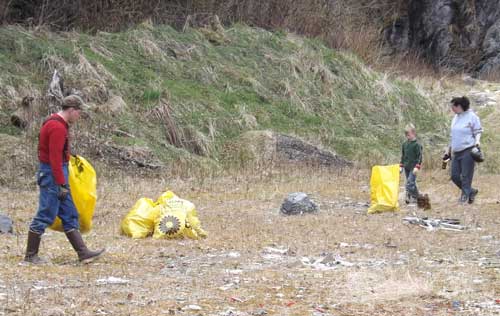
410 128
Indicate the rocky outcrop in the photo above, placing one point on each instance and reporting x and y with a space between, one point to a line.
460 35
261 146
294 149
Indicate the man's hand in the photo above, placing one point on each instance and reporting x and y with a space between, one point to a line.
416 171
63 192
401 169
446 157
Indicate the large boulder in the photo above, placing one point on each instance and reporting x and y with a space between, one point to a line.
6 225
298 203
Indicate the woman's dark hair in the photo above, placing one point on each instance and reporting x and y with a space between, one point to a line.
463 102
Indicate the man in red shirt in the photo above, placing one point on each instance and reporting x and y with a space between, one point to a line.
52 177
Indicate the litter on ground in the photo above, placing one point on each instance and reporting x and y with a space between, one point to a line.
434 223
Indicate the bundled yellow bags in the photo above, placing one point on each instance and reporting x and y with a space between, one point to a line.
169 217
384 188
138 222
82 182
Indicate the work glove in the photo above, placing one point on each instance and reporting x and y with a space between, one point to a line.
63 192
401 169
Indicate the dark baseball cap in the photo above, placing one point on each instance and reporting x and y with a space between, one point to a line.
74 101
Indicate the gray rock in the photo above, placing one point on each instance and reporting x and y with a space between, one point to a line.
298 203
459 35
6 225
468 80
491 51
482 98
396 34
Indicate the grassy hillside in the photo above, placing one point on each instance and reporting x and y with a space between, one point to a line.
190 94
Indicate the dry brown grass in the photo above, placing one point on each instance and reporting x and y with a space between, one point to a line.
423 271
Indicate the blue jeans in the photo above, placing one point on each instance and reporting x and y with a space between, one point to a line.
411 183
49 205
462 171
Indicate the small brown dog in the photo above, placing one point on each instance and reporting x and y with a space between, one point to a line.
423 201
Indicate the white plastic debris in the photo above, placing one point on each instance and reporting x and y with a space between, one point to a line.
276 250
435 223
193 307
112 280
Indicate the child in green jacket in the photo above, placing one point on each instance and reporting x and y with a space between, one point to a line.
411 162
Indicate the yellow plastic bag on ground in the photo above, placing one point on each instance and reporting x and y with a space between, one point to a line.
140 221
384 188
177 218
82 182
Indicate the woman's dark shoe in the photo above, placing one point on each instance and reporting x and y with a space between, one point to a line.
463 198
407 198
472 196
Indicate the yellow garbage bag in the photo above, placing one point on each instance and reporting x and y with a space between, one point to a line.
140 221
82 183
177 218
384 188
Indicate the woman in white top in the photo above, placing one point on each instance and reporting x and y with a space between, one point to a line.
465 136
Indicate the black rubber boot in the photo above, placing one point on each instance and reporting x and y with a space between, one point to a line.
84 254
472 196
31 255
408 198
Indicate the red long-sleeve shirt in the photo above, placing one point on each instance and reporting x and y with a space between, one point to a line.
53 146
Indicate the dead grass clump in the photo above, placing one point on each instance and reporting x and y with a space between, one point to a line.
85 68
187 137
164 114
196 142
101 50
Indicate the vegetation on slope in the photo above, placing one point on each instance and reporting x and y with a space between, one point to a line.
190 94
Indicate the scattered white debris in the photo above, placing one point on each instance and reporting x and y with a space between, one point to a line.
232 312
435 224
192 307
233 254
227 287
329 262
356 245
276 250
485 305
43 285
272 257
112 280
